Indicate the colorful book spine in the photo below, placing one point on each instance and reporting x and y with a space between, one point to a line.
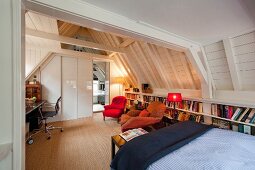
230 112
243 114
250 116
237 113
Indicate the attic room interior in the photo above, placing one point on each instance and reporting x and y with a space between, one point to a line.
120 85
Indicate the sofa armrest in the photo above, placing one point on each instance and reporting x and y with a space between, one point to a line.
139 122
133 113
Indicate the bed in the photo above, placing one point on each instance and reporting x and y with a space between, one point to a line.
187 145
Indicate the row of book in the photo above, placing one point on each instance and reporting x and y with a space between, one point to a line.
234 126
246 115
183 116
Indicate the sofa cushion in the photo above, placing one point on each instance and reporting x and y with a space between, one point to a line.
112 113
124 118
144 113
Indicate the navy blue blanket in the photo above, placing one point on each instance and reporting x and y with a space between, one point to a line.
142 151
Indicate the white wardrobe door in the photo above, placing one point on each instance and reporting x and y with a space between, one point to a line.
69 88
85 79
51 83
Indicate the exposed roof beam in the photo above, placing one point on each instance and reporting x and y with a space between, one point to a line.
126 43
72 53
107 21
72 41
232 65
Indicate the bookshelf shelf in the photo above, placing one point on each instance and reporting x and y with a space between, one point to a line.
213 116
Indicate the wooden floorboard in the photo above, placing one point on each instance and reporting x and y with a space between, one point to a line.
85 144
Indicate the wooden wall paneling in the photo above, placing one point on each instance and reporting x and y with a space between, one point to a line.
242 49
50 54
155 58
146 65
219 66
233 68
245 58
243 39
149 55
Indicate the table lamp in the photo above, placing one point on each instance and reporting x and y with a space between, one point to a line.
174 97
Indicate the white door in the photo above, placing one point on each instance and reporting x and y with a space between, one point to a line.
69 88
51 83
84 84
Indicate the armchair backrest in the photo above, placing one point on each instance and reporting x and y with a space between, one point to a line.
156 109
119 101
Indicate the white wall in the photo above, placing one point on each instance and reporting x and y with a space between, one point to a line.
6 76
51 82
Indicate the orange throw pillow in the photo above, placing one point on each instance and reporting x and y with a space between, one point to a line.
144 113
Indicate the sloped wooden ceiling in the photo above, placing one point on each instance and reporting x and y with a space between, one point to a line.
143 62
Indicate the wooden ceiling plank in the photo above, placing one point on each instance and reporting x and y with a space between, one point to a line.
72 41
168 69
127 68
155 59
115 43
190 77
171 63
151 72
132 55
152 63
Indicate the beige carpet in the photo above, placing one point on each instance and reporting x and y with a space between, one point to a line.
85 144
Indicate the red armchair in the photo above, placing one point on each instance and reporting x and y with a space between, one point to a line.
116 108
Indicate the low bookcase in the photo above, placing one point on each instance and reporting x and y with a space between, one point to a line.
232 115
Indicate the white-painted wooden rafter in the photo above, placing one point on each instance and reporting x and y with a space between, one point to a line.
72 41
234 71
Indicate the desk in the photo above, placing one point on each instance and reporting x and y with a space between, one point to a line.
32 114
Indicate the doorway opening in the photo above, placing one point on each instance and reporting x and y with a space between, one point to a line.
101 72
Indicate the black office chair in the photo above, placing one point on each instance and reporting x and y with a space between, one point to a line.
46 111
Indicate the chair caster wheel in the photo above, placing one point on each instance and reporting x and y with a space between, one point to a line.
62 130
48 137
30 141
